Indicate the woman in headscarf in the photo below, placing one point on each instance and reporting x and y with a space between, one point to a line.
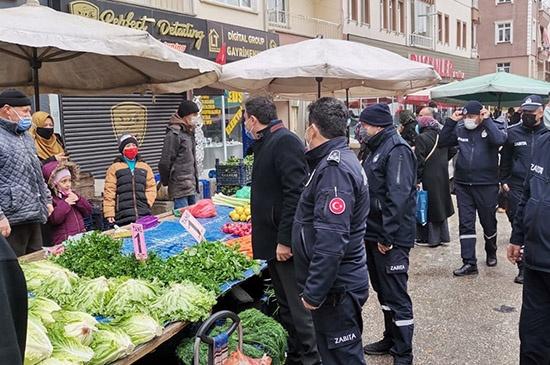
433 174
49 145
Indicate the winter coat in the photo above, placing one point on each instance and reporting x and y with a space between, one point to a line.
477 162
434 174
517 153
391 172
278 176
23 193
530 227
128 196
178 165
329 226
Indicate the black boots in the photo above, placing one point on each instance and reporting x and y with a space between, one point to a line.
381 347
466 269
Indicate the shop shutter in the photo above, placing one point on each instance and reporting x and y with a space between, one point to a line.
88 127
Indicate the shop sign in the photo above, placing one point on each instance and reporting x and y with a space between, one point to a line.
129 117
234 121
444 67
209 109
241 42
180 32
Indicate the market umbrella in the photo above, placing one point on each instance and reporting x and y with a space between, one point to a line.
326 65
500 88
68 54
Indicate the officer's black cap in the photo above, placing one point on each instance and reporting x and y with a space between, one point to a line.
531 103
472 107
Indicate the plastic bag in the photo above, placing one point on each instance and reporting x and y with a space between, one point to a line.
238 358
243 193
202 209
422 207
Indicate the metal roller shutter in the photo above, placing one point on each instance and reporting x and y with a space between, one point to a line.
92 126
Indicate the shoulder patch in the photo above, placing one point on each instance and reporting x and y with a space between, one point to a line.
334 157
484 134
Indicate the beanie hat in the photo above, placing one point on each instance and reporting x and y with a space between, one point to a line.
187 107
13 97
126 139
472 107
377 115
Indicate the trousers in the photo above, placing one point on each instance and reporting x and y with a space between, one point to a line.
389 276
185 201
25 238
483 200
534 320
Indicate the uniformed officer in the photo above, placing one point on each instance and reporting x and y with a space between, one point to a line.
532 230
516 155
391 229
476 179
327 236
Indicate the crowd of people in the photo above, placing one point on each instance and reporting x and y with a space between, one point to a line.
324 220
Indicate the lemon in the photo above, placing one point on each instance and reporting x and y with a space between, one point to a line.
239 210
247 210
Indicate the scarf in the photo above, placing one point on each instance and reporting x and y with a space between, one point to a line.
45 148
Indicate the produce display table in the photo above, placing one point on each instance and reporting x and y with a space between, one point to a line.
167 239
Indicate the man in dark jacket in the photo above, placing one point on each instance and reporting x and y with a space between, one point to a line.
25 200
476 179
391 230
327 237
516 156
532 230
278 177
178 164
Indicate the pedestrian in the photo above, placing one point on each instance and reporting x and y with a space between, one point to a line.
476 179
407 126
433 176
531 230
49 145
25 201
278 176
178 163
327 236
516 156
13 307
69 209
391 230
130 188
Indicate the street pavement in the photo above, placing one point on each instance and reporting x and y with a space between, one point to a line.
462 321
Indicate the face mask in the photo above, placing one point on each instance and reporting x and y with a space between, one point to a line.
24 123
529 120
308 143
249 133
547 117
130 153
45 133
470 124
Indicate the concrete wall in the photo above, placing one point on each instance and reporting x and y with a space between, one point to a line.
213 10
457 11
519 65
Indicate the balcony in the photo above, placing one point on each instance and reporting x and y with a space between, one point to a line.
178 6
302 25
421 41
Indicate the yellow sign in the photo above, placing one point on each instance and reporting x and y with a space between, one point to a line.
209 110
235 97
129 118
234 121
213 41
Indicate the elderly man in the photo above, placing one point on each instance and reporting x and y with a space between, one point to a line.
25 201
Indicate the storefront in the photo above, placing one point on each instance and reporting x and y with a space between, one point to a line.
103 119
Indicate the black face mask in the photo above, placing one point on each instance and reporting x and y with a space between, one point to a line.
45 133
529 120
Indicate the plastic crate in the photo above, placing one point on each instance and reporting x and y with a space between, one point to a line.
233 175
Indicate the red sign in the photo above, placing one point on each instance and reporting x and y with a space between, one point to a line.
444 67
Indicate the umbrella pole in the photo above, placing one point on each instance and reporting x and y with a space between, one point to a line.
35 65
499 99
347 98
319 80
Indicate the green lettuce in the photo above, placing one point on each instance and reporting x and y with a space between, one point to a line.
47 279
129 296
110 344
89 296
140 327
183 302
68 348
78 325
43 308
55 361
39 346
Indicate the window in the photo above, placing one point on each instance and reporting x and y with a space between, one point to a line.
421 19
464 35
504 2
401 10
354 11
447 28
366 11
503 67
503 32
458 33
250 4
277 11
393 15
440 27
384 12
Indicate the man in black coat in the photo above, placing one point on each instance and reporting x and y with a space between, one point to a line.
516 156
327 236
531 229
278 176
391 230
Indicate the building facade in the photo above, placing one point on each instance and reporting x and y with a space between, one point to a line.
513 37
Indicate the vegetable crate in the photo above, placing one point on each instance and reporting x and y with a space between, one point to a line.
239 174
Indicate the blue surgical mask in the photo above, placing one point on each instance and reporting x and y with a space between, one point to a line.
24 123
249 133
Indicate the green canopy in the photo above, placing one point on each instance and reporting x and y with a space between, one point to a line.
501 88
